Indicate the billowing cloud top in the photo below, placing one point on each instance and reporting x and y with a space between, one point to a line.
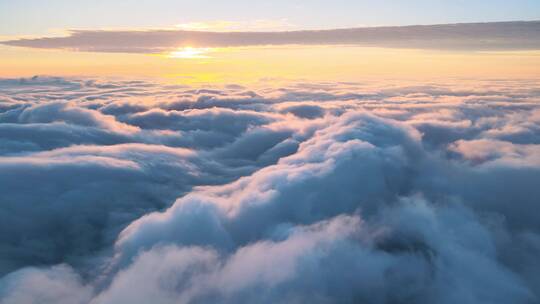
373 192
473 36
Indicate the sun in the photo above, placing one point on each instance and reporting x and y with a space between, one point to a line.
190 53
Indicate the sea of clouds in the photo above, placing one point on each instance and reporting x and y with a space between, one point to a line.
382 191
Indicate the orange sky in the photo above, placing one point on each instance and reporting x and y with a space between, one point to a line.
248 64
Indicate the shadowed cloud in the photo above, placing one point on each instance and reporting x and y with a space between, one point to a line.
471 36
372 192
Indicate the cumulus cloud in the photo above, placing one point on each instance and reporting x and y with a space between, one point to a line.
133 191
59 284
467 36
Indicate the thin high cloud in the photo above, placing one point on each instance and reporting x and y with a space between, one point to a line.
374 192
472 36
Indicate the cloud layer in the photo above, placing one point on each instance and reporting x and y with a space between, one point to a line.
467 36
374 192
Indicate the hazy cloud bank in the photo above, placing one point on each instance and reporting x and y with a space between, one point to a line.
466 36
374 192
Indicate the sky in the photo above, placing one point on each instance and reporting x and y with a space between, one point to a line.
39 39
33 17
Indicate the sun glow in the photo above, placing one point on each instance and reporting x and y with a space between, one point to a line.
192 64
191 53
